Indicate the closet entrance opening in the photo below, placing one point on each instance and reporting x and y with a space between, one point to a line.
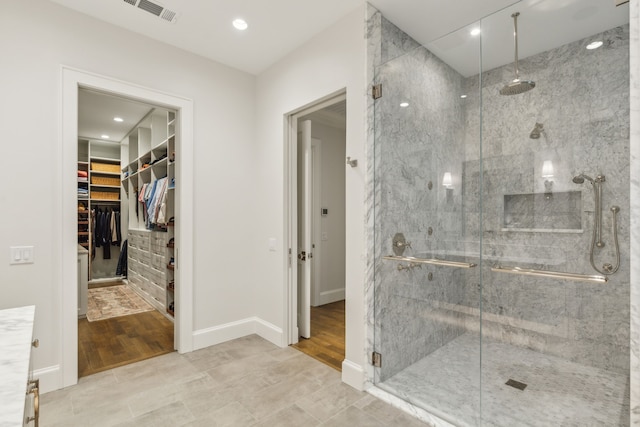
317 146
126 221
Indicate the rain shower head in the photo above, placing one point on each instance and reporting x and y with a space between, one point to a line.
579 179
516 86
537 131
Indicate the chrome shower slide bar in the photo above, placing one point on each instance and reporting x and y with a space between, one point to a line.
432 261
550 274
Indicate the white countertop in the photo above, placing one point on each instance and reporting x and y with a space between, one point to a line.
16 332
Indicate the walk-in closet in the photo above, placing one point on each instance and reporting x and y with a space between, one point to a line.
126 222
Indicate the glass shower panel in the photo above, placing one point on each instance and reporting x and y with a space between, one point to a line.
555 326
427 224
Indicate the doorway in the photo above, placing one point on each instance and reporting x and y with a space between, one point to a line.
125 309
72 81
319 216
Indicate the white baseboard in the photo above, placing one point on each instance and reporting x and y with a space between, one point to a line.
50 378
203 338
353 374
327 297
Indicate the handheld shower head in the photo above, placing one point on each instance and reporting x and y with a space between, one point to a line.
579 179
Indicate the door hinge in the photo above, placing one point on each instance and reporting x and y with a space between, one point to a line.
376 359
289 257
302 256
376 91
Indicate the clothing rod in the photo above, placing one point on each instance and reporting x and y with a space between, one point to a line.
431 261
550 274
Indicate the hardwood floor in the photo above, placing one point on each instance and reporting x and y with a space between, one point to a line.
107 344
327 335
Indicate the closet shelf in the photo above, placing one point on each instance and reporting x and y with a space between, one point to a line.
95 172
105 186
105 159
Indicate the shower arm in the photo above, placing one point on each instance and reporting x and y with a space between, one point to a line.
515 38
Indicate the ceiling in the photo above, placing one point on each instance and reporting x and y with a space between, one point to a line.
96 111
277 27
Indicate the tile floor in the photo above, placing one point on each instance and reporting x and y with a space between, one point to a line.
245 382
558 392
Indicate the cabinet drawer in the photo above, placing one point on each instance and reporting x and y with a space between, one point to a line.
157 292
157 262
143 258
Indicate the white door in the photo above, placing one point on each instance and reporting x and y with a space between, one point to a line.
305 255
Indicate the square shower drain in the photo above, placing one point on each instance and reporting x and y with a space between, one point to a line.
516 384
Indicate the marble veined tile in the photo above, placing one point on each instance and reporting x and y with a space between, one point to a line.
455 379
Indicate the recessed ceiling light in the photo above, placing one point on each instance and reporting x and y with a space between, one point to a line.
118 119
475 31
594 45
404 104
240 24
463 96
104 136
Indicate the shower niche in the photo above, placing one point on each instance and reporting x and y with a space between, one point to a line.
558 212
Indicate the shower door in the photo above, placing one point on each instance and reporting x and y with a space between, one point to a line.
555 167
501 272
427 228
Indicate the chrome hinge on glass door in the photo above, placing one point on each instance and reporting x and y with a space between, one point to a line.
376 91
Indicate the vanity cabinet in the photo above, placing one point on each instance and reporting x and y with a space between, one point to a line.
19 393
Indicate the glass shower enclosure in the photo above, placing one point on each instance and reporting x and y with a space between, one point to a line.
501 273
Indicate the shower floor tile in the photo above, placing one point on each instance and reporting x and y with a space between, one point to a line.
558 392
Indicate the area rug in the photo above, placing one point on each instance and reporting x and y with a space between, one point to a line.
114 301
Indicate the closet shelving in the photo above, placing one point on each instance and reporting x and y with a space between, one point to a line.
84 225
148 151
100 160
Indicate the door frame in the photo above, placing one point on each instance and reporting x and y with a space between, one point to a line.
290 332
72 80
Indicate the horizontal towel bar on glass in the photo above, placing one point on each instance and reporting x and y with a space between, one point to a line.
550 274
432 261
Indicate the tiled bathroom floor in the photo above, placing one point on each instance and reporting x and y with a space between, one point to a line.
558 392
244 382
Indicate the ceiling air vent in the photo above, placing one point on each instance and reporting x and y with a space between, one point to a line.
155 9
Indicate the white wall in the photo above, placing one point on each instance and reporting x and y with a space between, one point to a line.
331 61
332 250
36 38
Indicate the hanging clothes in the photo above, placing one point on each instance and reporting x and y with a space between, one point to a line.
121 268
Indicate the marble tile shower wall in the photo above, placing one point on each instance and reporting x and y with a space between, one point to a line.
582 98
414 147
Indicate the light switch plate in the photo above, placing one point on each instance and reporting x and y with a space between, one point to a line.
21 255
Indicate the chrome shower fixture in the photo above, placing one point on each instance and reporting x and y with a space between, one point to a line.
596 237
579 179
537 130
516 86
